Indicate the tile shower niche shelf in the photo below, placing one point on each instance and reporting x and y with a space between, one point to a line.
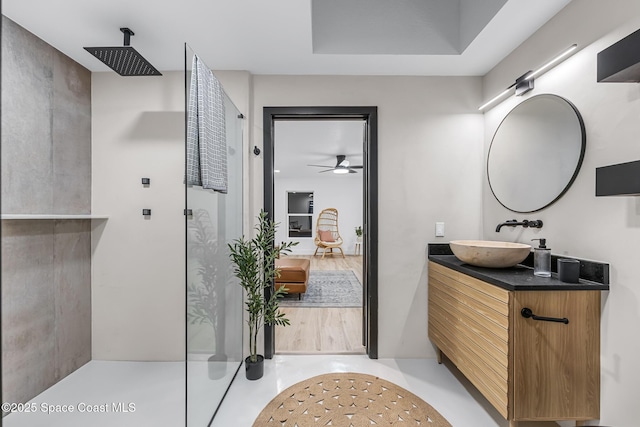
51 216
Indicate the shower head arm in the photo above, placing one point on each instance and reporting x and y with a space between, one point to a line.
127 35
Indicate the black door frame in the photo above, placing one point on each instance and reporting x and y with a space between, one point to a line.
370 224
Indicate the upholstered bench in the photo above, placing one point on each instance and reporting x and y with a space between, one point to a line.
294 274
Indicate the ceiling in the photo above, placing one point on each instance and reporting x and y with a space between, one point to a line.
299 143
285 37
418 27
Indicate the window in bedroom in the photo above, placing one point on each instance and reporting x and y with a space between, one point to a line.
299 213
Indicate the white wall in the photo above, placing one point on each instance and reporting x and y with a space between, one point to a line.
341 192
138 263
138 284
579 224
430 168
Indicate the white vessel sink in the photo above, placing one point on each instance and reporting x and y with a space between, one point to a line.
487 253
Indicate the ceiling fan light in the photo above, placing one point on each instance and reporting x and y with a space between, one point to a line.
342 166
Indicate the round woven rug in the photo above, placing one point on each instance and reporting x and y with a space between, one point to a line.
348 400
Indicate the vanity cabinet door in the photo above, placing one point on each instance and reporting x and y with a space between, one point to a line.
468 322
556 366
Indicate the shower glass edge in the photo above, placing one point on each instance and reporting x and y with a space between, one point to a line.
214 310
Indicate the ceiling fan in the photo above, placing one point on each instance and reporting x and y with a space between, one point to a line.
342 166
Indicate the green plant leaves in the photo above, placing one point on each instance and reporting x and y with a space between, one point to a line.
254 264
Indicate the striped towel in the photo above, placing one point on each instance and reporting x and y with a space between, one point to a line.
206 133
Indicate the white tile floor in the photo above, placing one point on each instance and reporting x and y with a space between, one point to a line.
433 382
157 390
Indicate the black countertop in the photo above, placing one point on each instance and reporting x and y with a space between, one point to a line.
518 278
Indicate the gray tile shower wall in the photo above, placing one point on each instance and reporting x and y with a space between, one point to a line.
46 304
46 169
71 132
46 127
72 295
28 310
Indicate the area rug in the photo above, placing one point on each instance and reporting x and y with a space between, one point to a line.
328 288
348 400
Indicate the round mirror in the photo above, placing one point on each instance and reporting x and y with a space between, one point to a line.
536 153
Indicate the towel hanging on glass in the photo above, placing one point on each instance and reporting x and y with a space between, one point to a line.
206 133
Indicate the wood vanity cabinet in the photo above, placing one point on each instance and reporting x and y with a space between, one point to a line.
527 369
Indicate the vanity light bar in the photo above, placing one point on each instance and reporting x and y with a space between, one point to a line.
492 100
531 75
552 62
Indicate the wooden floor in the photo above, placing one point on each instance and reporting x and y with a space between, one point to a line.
323 330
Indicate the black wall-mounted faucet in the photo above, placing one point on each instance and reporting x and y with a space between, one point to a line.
536 223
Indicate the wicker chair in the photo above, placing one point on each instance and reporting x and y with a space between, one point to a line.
327 234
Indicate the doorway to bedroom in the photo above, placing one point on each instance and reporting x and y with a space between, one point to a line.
318 202
316 166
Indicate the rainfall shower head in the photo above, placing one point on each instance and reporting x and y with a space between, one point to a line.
124 60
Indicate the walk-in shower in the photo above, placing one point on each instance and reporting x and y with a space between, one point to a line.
109 317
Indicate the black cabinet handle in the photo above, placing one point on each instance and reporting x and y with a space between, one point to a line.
527 313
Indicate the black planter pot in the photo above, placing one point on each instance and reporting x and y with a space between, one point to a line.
254 370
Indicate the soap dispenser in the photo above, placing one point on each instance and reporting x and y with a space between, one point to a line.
542 259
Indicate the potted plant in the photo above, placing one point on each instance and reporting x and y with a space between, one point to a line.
359 233
254 262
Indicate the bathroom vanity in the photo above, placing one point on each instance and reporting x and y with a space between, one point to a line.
528 369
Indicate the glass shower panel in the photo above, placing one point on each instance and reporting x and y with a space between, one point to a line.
214 299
